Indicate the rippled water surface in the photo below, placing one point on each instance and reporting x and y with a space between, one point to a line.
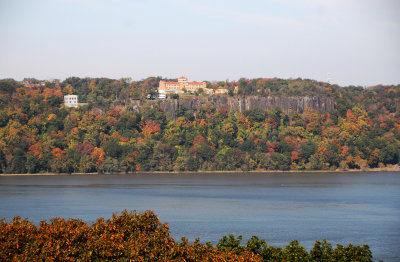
341 207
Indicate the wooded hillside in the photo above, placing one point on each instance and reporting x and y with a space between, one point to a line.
39 134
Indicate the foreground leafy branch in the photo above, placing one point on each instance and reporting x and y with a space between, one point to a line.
142 237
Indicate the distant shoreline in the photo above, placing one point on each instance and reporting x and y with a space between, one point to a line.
384 169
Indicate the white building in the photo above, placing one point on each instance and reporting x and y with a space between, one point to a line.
71 101
162 94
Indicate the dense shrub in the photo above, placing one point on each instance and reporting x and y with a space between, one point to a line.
142 237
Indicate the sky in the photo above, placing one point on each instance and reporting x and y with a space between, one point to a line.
345 42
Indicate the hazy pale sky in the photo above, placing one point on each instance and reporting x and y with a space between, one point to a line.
349 42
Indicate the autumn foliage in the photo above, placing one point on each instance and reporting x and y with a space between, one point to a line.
142 237
109 134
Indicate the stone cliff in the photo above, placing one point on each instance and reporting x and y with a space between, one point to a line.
286 104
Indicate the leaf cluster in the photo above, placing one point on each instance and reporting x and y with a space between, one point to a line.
142 237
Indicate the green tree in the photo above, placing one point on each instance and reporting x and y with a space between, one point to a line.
231 243
321 251
307 150
280 161
295 252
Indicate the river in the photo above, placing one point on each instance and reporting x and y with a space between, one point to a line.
344 208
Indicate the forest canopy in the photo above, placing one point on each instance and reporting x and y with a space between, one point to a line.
106 134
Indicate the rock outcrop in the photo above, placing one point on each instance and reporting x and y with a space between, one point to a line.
240 104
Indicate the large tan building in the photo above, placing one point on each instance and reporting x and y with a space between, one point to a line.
182 85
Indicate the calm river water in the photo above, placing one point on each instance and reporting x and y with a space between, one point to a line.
341 207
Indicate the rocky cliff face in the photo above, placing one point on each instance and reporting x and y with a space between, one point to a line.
286 104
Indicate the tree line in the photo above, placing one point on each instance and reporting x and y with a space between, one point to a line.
142 237
39 134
